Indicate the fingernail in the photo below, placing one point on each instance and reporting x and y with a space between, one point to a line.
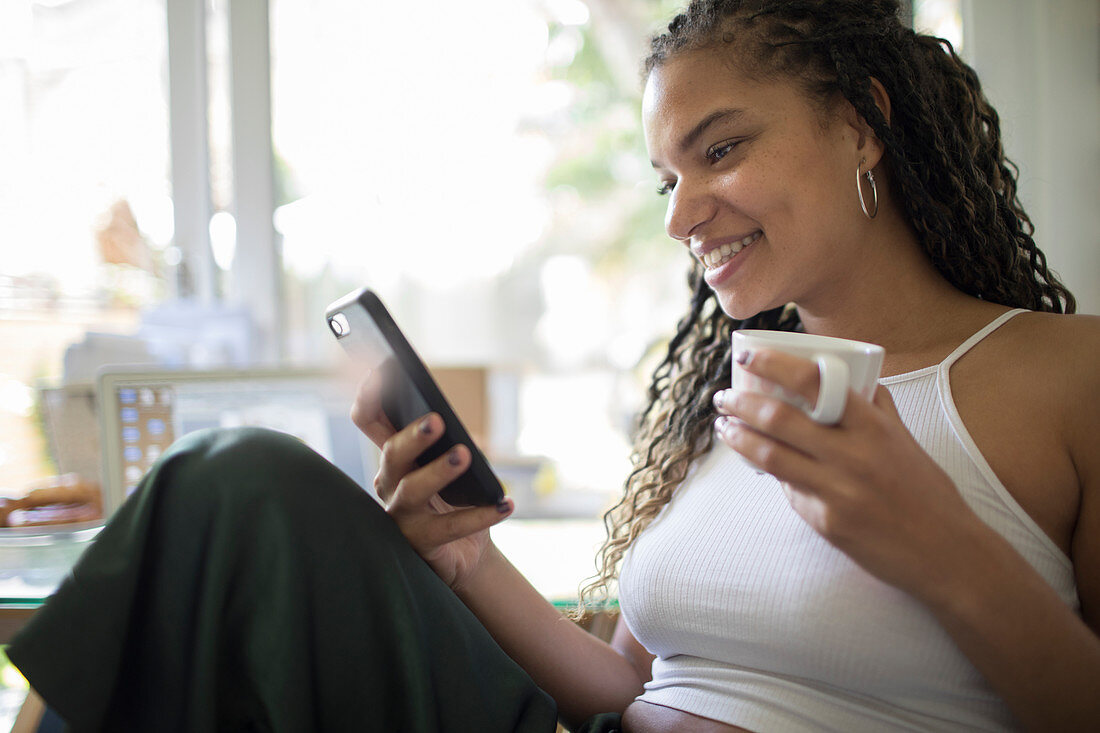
743 357
425 426
721 424
453 458
504 507
719 398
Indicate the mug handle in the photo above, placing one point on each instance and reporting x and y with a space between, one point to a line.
832 396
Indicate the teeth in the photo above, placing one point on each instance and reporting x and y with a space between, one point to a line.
723 254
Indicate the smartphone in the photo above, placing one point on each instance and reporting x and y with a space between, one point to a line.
370 336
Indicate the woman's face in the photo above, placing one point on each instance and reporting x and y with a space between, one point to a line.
761 183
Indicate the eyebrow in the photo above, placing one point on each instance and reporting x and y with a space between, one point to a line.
719 115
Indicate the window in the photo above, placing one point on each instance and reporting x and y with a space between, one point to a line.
482 167
85 206
941 18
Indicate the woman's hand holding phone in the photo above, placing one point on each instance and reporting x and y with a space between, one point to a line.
451 540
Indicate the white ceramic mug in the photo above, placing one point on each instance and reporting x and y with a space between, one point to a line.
842 364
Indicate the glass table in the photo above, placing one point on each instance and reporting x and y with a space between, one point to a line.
33 561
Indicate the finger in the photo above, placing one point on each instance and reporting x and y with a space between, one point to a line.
778 420
418 486
869 415
769 455
467 521
885 401
399 453
366 410
808 505
723 401
793 373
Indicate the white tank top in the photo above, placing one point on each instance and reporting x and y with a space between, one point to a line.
757 621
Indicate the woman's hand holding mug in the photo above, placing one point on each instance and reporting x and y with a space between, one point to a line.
861 481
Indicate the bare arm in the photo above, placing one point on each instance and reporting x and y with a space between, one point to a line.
1034 651
30 714
582 673
1043 659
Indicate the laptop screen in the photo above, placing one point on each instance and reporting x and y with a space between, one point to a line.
144 413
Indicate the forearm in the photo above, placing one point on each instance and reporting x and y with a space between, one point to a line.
1035 652
582 673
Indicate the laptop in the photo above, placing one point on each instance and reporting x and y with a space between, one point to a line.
143 410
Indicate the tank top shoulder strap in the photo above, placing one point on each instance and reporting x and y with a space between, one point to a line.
974 340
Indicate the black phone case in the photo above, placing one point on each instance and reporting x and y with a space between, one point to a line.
409 392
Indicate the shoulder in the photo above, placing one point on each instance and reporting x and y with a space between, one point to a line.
1056 347
1057 356
1046 365
1051 344
1055 329
1061 347
1073 343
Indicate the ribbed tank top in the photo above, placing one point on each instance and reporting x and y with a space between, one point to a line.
757 621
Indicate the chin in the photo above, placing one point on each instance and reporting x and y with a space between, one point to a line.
735 308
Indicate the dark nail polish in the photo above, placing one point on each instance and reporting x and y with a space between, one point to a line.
743 357
504 507
718 398
425 426
453 458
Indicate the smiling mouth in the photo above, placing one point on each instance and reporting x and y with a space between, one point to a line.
721 255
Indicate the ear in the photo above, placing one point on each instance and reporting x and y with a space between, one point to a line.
882 99
867 143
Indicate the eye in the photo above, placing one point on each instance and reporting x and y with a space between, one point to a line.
716 152
665 188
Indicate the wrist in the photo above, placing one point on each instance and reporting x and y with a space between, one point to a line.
971 575
468 586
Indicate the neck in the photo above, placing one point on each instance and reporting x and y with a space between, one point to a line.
897 299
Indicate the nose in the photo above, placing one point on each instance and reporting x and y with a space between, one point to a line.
689 207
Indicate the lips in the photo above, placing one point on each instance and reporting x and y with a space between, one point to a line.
717 256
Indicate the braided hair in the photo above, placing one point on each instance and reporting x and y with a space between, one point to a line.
945 157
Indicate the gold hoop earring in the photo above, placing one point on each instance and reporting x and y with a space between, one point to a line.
859 191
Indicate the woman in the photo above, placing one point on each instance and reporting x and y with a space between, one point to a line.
917 602
932 562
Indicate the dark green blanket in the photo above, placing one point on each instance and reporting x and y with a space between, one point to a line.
249 585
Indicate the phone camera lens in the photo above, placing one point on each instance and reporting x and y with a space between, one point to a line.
339 325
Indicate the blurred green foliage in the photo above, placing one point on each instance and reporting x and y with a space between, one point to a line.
602 157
